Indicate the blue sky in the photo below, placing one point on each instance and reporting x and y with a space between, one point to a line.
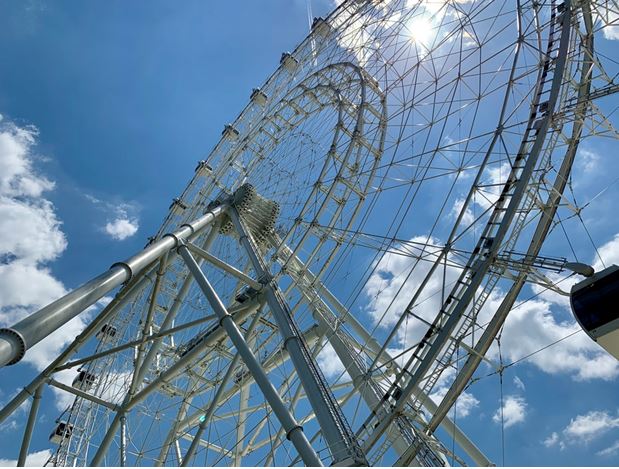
110 105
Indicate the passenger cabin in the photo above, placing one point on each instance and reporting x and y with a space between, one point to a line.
84 381
289 62
595 303
62 432
107 333
246 294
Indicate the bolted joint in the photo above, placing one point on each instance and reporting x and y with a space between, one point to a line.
125 266
177 241
223 318
291 338
293 429
180 243
16 342
265 279
185 225
213 204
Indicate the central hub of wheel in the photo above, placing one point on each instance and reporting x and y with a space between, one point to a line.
258 213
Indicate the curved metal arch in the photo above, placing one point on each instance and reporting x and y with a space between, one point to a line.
541 230
453 312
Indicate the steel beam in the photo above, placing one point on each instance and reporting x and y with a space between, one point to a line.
294 430
32 417
15 340
167 375
171 437
342 443
133 343
123 440
438 339
177 368
344 314
246 279
274 360
139 373
379 355
143 365
82 394
215 400
120 300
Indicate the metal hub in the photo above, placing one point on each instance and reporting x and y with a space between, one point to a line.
258 213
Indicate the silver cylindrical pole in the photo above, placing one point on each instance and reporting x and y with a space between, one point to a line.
25 444
144 361
204 421
14 341
121 299
294 431
335 429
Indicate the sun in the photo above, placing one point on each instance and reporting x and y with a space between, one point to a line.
421 30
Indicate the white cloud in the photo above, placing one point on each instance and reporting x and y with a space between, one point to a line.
122 228
514 411
25 287
16 162
330 363
530 327
29 226
553 297
611 32
465 403
610 20
533 326
18 417
587 160
495 178
518 383
610 451
552 440
115 387
585 428
36 459
30 229
590 426
395 280
122 217
609 252
468 218
31 238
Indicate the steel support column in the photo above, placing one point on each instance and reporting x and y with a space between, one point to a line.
215 400
293 429
120 300
541 231
15 340
32 417
342 443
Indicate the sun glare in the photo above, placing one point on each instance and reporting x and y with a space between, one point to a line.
421 30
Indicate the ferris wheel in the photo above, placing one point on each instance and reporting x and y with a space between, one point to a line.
330 263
